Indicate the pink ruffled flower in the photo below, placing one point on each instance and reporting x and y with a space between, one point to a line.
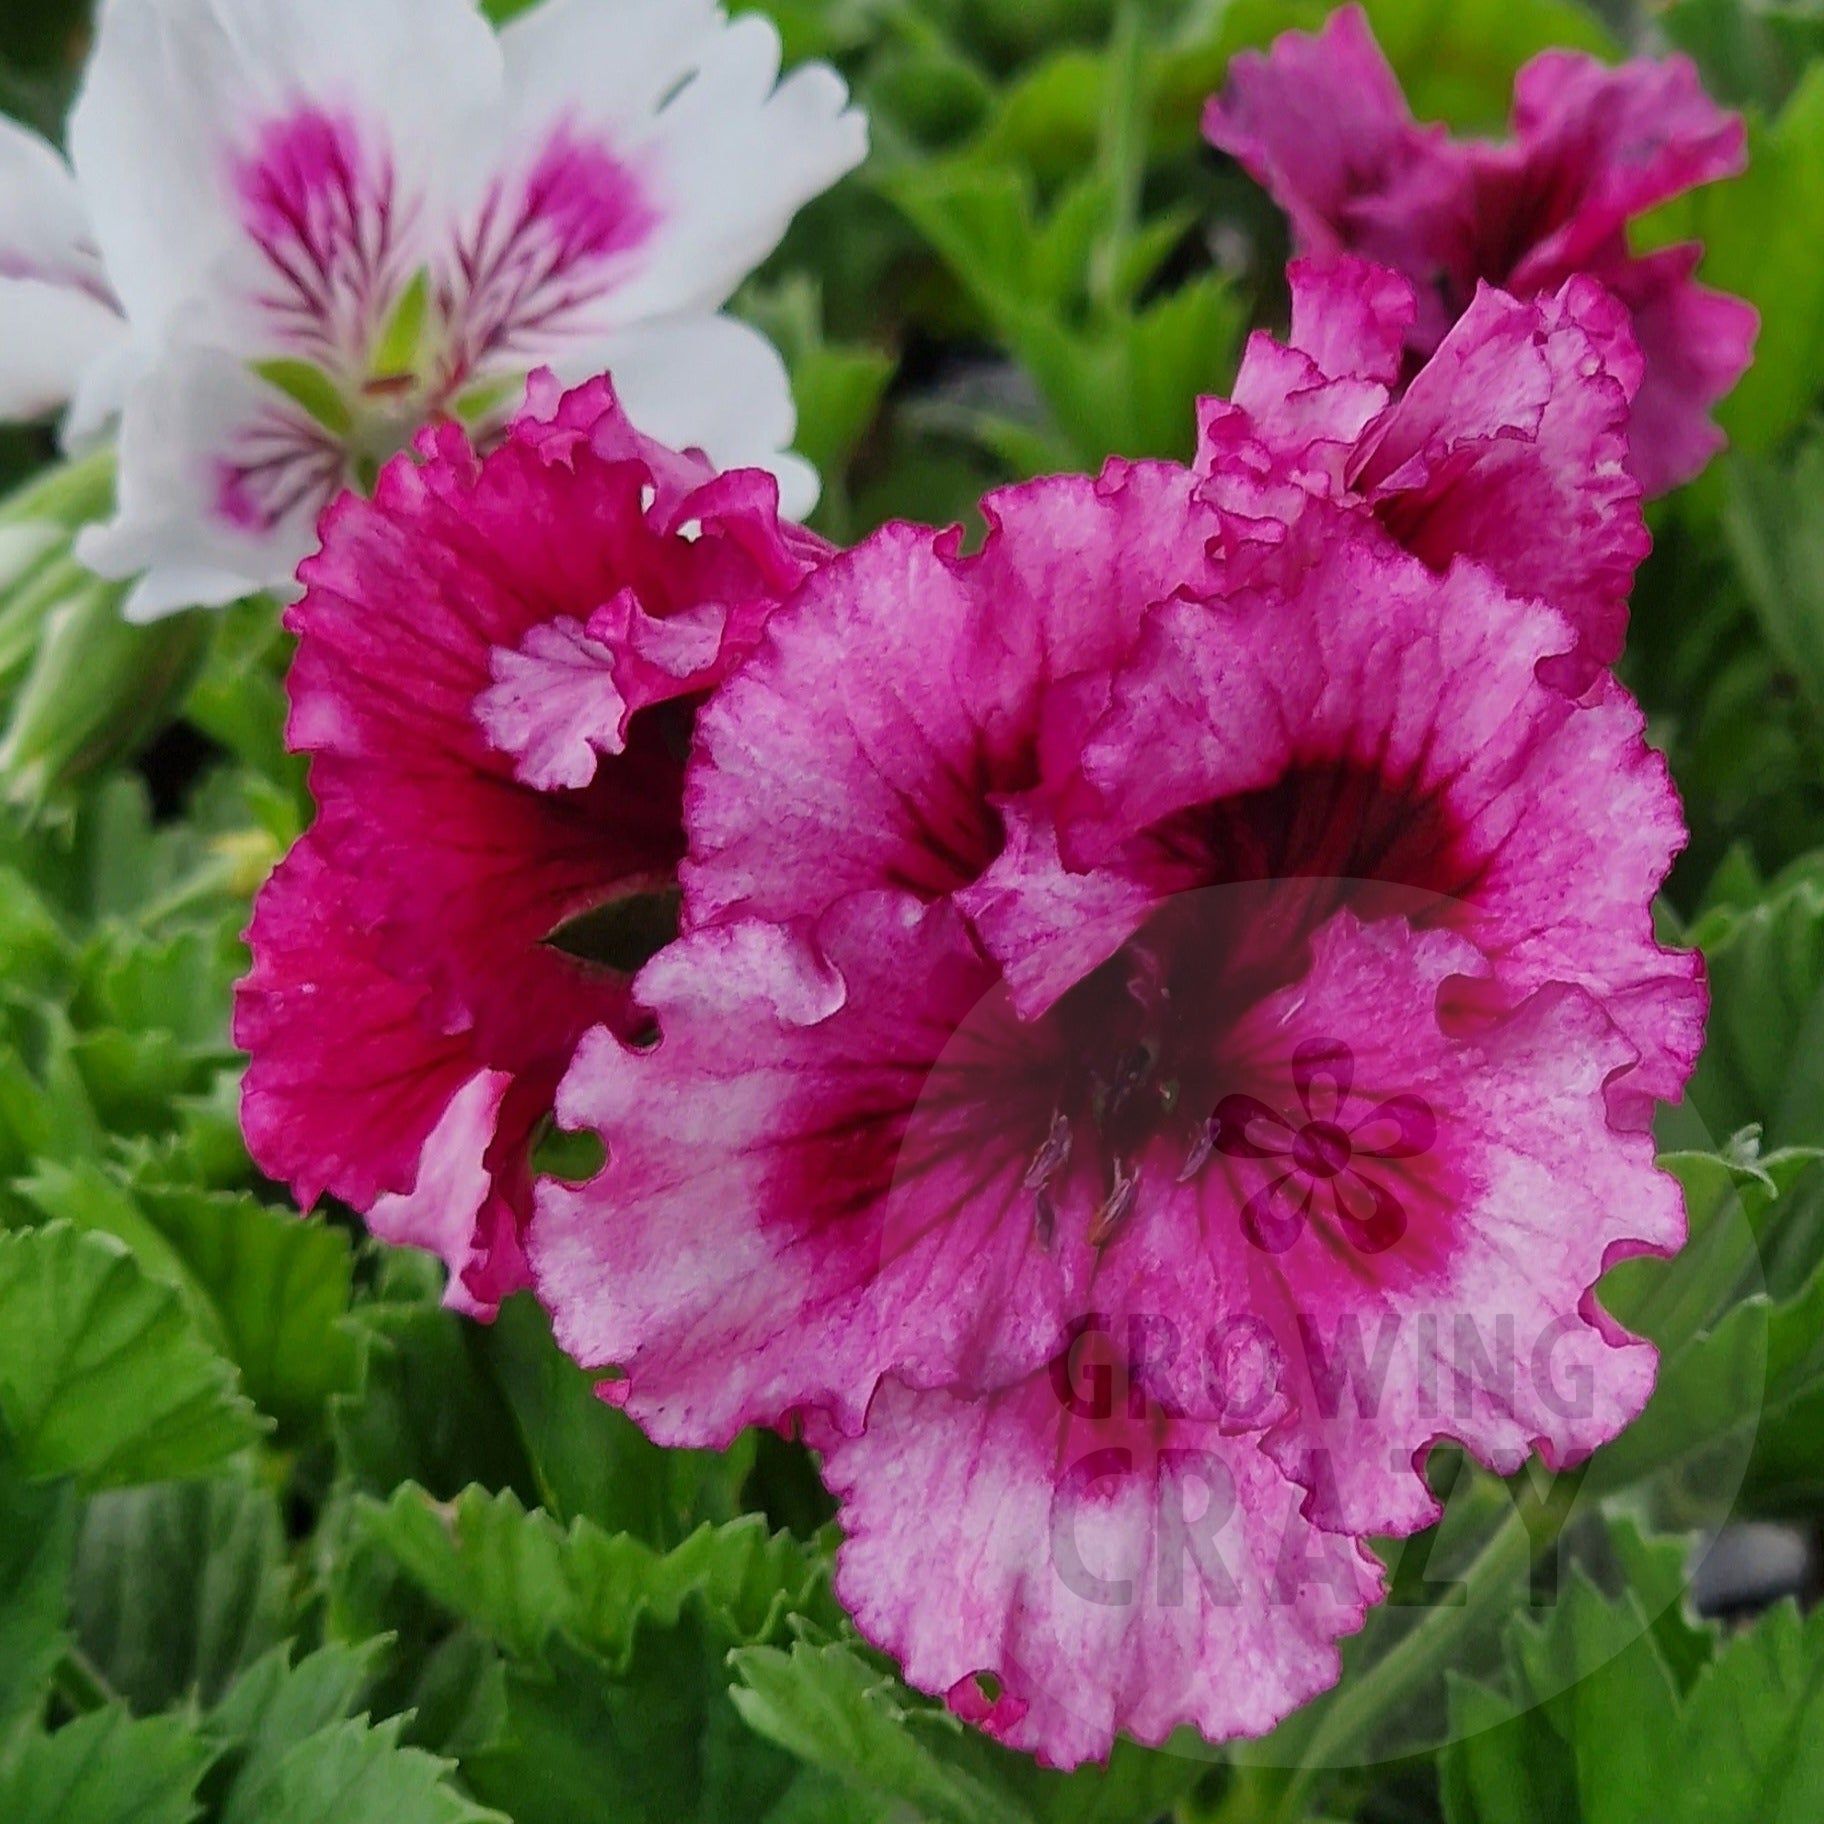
498 662
1320 121
1509 445
1228 956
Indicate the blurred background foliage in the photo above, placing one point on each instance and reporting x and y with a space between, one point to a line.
281 1540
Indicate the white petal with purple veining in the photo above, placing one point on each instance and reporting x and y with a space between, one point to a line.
314 144
54 299
221 481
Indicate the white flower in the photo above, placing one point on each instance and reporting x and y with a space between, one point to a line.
295 230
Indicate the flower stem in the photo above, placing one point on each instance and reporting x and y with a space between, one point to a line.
1349 1723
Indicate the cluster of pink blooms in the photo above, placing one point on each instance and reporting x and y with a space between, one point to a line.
1150 1023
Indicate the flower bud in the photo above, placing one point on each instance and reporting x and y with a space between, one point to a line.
37 568
95 688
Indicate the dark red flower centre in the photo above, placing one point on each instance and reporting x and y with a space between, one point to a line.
1143 1052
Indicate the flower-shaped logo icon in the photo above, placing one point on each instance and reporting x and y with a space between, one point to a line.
1323 1153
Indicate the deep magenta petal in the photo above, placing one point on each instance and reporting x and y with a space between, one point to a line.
347 1078
1510 445
498 659
1319 120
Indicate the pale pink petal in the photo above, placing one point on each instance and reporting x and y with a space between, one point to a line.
1472 1192
222 481
284 204
692 608
1048 926
901 690
557 421
802 1193
731 157
553 705
1199 943
1311 399
1509 446
54 337
456 1210
534 271
1106 1573
1351 316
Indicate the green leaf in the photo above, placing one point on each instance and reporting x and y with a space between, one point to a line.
1746 751
1656 1567
1600 1698
592 1462
1733 1315
66 495
444 1677
1763 1061
37 957
1760 236
1777 536
1751 52
98 686
1750 1747
1118 379
1599 1671
103 1373
651 1741
111 861
268 1289
522 1579
106 1769
275 1705
277 1708
141 982
427 1411
1049 117
238 701
838 388
832 1710
1744 1745
179 1587
38 568
37 1550
1501 1766
865 1731
484 401
352 1773
1457 59
46 1110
